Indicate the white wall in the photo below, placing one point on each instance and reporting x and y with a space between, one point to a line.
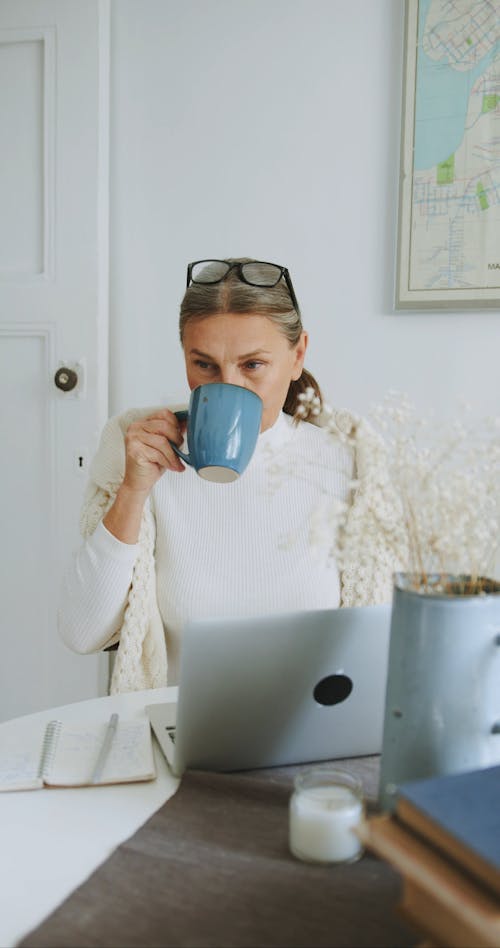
271 128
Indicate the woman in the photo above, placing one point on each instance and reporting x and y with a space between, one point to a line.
163 546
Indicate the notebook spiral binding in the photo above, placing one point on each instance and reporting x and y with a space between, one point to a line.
49 744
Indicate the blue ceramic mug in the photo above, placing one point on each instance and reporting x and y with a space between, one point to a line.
223 424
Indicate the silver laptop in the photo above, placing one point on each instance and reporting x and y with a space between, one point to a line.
276 690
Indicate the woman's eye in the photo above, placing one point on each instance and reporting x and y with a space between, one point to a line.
253 364
204 365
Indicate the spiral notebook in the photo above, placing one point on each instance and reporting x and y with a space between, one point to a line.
65 755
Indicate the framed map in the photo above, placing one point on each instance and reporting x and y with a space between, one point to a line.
449 207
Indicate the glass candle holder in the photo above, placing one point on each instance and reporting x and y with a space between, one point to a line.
325 808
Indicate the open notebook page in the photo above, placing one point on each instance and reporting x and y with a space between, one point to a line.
20 760
77 747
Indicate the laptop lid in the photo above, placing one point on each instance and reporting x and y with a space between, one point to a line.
282 689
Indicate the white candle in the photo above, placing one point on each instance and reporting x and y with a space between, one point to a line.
324 810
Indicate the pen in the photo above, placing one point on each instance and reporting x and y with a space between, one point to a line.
104 751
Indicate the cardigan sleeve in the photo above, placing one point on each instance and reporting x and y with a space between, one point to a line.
97 580
108 592
95 590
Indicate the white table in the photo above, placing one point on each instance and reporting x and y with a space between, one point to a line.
51 840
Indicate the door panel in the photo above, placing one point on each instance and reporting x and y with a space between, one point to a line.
54 57
27 573
21 181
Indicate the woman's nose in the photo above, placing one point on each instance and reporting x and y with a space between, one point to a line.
231 375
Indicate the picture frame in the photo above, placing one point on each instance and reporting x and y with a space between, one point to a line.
448 247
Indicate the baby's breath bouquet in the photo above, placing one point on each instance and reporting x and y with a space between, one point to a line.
446 476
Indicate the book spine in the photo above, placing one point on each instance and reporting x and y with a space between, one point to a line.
449 918
49 746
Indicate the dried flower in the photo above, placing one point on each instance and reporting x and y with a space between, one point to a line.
309 405
447 480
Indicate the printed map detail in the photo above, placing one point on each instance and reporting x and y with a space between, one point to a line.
455 213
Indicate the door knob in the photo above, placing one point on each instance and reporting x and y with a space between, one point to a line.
66 379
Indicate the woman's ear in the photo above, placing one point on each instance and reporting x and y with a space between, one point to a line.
300 354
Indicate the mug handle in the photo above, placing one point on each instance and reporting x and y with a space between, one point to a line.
182 415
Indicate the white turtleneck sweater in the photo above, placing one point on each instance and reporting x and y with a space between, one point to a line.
235 549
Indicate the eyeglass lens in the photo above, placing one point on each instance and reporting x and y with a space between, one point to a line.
261 274
209 271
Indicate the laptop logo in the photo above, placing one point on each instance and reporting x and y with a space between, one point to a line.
333 689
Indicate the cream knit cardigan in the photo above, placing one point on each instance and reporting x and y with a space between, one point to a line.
377 543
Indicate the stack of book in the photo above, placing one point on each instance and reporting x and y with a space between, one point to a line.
444 839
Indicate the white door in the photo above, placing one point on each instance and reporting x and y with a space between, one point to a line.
54 57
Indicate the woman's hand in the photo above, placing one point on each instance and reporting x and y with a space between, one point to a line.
148 455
